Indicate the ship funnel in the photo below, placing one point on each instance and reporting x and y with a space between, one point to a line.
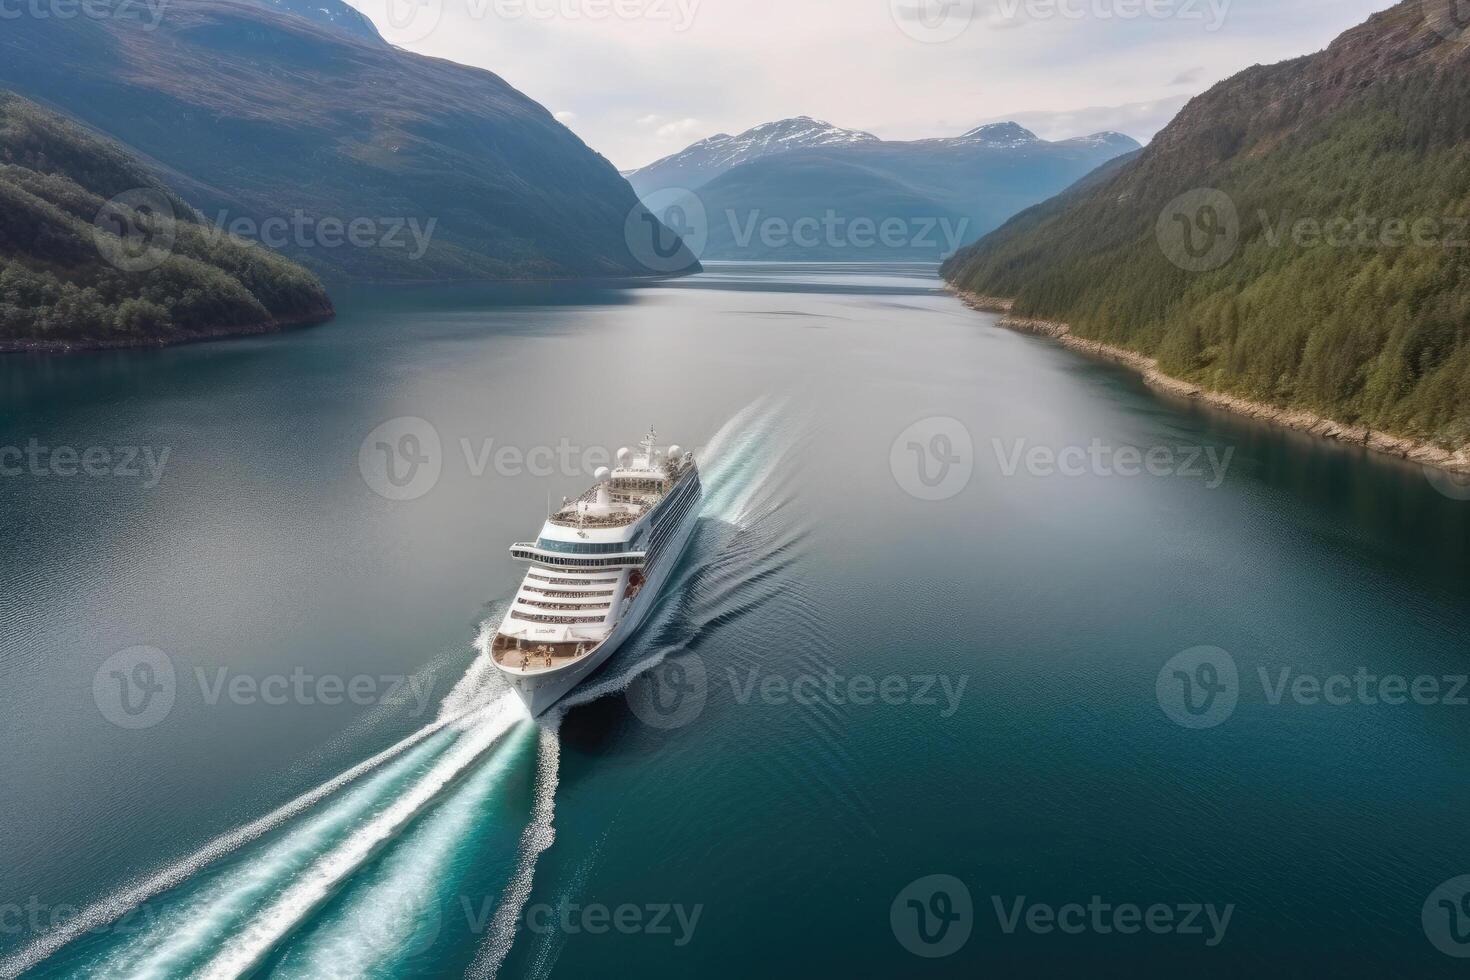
603 497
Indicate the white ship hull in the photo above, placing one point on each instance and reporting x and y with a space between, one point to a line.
540 691
598 566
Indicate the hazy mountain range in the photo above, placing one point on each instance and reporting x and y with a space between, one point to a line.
701 162
1297 236
805 190
288 119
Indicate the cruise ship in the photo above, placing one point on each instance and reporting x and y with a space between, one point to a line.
595 571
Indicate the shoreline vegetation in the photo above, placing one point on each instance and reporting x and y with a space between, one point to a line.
1387 443
177 339
1219 253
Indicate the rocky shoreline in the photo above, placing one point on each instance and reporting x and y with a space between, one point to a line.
1299 419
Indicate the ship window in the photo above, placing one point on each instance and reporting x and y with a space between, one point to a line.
582 547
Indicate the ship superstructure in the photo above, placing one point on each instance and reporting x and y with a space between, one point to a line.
595 570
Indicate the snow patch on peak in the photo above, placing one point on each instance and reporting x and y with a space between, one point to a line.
706 159
1105 138
1000 134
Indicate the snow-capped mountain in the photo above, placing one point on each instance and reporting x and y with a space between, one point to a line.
799 169
1124 144
1004 134
701 162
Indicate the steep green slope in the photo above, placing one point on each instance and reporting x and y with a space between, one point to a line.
1297 236
291 121
76 270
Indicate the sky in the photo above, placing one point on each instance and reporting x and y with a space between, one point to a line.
640 79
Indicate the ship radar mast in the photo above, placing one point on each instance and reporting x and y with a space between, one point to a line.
647 444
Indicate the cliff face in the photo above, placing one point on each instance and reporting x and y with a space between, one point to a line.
1295 237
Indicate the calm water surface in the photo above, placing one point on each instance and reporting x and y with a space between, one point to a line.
977 679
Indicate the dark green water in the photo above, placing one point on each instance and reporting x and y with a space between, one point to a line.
1018 628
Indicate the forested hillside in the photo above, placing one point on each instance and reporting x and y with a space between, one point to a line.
76 270
1297 236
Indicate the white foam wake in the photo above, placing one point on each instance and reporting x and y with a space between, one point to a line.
398 911
536 838
118 904
483 729
188 929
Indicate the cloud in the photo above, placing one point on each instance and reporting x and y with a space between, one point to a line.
662 82
678 129
565 116
667 131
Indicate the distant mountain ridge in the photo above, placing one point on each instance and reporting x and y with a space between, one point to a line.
995 134
261 111
331 13
932 195
1295 238
701 162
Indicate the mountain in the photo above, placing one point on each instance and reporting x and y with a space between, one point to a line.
292 120
702 162
95 252
922 199
338 16
1295 238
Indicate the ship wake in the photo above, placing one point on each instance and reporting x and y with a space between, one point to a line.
350 877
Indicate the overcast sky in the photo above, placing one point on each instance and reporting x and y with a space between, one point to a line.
638 79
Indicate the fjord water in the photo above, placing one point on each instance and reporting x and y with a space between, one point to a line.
1021 624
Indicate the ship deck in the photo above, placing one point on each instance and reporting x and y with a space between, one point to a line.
530 657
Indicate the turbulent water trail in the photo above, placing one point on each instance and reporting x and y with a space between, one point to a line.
309 890
737 468
232 920
113 907
537 837
400 908
192 924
